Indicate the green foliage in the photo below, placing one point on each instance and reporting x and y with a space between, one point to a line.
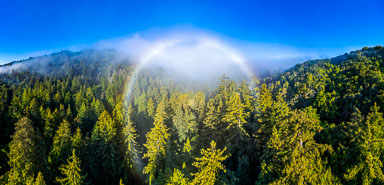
71 172
177 178
130 140
209 165
150 107
39 180
26 153
156 143
105 144
236 114
185 120
268 127
61 148
292 156
368 138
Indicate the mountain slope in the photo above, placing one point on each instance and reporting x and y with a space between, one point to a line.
320 122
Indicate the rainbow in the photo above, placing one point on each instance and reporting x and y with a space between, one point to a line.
160 47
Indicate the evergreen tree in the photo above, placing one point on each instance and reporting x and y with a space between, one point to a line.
150 107
246 96
72 173
184 119
77 143
368 139
130 140
236 114
178 178
39 180
209 165
61 148
292 156
106 151
211 118
156 143
142 103
26 153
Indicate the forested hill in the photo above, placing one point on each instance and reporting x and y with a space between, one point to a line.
65 119
335 86
84 62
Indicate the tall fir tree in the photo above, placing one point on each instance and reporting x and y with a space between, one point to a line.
72 173
106 151
39 180
130 141
236 114
209 165
156 144
26 153
61 148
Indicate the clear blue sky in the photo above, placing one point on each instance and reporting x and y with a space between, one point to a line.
32 25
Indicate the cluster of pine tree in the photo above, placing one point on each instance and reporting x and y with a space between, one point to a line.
320 122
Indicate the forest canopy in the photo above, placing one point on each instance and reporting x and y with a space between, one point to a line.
319 122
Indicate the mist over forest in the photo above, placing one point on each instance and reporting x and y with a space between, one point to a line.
95 117
245 92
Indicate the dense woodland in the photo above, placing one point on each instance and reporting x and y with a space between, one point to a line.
320 122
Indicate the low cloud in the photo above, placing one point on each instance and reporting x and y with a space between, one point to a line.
195 52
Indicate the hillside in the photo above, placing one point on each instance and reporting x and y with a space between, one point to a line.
84 62
68 114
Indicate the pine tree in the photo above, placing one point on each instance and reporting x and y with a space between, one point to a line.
236 114
246 96
39 180
118 114
98 107
61 148
33 112
78 144
223 89
150 107
178 178
264 103
292 155
142 103
71 172
26 153
269 113
130 139
198 106
156 143
50 125
69 115
368 137
211 119
209 165
184 119
106 151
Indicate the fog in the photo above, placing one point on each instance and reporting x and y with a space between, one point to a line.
193 53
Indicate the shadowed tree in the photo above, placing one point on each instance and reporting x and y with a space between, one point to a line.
61 148
39 180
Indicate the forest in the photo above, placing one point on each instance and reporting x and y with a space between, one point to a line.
67 120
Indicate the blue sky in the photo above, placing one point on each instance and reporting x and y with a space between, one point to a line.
33 26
